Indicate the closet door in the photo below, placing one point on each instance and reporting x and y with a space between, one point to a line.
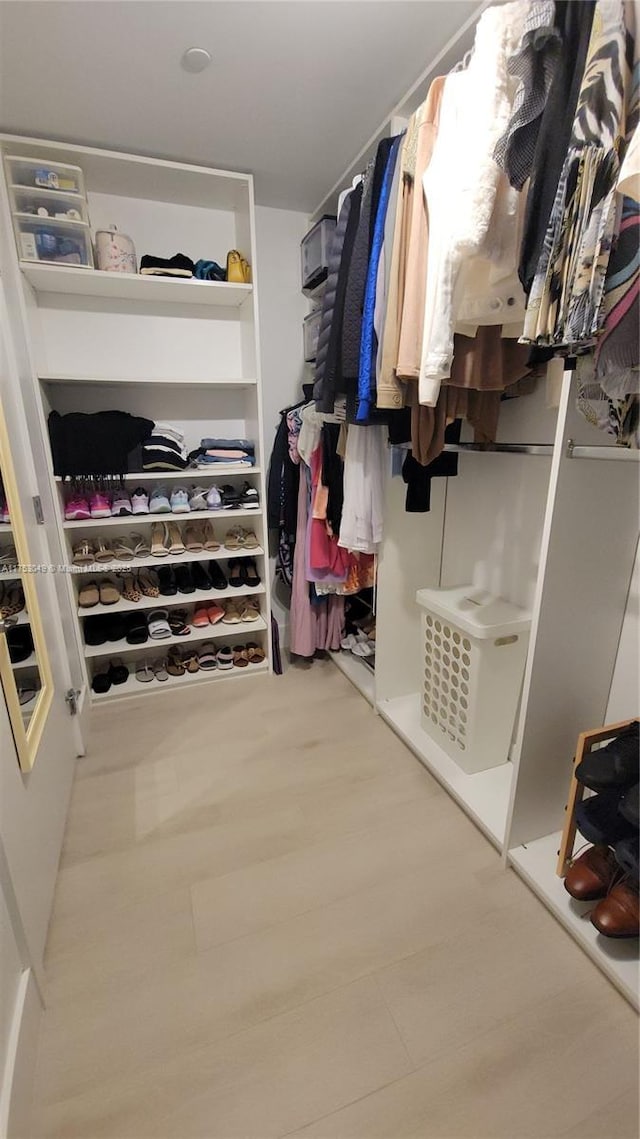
36 775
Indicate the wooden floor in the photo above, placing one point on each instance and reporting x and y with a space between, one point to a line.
271 921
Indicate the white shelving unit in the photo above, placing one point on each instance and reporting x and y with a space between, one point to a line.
219 631
140 381
175 601
535 862
223 470
132 687
82 282
139 520
174 350
554 532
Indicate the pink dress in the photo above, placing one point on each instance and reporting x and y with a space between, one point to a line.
317 626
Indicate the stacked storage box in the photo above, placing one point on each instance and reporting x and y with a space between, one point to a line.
49 209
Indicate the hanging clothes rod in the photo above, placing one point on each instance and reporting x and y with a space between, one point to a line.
504 448
574 451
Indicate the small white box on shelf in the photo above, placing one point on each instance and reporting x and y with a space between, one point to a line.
311 331
55 241
475 648
29 201
314 252
45 175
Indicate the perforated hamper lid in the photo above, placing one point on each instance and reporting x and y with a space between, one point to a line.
475 611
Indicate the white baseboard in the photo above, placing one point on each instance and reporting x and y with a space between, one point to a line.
17 1085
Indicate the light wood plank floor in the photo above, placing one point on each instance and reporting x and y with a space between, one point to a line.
271 921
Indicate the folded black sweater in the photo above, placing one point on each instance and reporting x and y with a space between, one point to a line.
84 445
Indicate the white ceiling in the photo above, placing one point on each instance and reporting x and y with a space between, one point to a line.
295 89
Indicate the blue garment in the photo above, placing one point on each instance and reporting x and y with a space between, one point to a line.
368 339
209 271
232 444
212 461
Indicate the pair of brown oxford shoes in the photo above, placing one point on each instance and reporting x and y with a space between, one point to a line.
596 876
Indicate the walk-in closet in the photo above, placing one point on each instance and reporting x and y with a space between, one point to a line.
319 581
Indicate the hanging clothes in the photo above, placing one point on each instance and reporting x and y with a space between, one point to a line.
368 345
364 477
574 23
313 626
330 383
389 390
329 297
534 65
565 304
409 349
461 185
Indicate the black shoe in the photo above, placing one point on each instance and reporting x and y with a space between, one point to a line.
176 266
615 765
218 580
167 580
201 578
95 630
249 497
628 805
236 573
600 822
626 852
230 497
250 573
184 579
101 682
116 628
19 643
136 629
118 672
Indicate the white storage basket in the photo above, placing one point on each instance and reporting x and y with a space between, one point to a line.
475 647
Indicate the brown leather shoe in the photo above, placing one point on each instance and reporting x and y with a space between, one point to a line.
590 876
618 915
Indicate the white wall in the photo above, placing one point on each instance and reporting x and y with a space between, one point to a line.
624 697
282 311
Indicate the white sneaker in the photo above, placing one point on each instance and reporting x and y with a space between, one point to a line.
140 501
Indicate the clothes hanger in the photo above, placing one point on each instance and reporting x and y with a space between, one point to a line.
463 63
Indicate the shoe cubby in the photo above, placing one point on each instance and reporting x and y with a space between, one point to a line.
174 351
152 661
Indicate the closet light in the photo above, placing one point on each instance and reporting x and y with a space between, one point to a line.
195 59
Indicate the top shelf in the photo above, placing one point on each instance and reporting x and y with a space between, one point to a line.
80 282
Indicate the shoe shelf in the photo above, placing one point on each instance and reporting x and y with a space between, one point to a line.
223 470
230 383
146 519
174 600
30 662
133 687
618 958
208 633
170 560
84 282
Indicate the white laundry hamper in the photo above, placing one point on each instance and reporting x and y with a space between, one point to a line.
475 648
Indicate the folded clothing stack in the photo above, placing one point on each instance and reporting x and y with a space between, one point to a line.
211 452
164 450
181 266
95 444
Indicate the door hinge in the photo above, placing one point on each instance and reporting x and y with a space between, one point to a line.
71 699
37 509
